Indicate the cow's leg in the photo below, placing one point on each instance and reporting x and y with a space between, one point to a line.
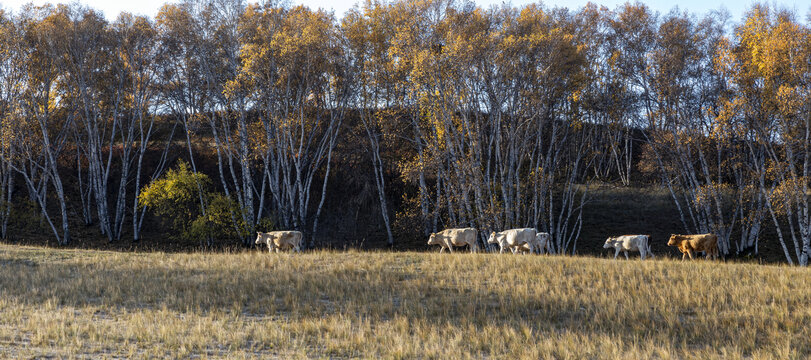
642 253
616 252
441 249
690 253
449 245
683 255
277 250
626 254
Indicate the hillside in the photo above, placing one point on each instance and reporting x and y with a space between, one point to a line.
89 303
611 211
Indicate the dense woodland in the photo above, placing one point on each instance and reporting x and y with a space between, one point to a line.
219 118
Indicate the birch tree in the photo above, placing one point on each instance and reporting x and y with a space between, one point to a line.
685 90
182 86
293 72
95 97
494 133
43 129
227 112
366 40
768 68
138 50
11 82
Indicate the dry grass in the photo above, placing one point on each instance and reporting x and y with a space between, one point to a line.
78 303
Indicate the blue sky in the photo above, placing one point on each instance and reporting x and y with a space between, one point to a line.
111 8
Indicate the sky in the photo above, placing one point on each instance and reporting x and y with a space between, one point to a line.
736 8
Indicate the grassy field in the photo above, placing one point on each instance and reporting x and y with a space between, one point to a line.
82 303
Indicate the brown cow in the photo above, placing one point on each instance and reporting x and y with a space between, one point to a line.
689 244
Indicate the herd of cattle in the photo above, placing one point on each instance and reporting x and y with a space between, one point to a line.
526 240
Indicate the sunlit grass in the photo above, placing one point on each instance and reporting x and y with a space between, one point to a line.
70 303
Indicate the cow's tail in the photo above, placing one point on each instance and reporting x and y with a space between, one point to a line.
650 252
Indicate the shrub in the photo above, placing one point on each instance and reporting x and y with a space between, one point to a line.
175 198
222 220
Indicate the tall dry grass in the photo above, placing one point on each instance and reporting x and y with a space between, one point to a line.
72 303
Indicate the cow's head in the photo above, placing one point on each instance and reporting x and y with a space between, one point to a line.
492 238
609 243
432 240
674 240
259 238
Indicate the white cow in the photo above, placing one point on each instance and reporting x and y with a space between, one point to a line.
514 239
626 243
541 243
449 238
280 240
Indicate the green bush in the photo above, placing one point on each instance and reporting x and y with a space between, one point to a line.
175 198
222 220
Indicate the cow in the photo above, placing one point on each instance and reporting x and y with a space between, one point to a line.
689 244
280 240
541 243
449 238
626 243
513 239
